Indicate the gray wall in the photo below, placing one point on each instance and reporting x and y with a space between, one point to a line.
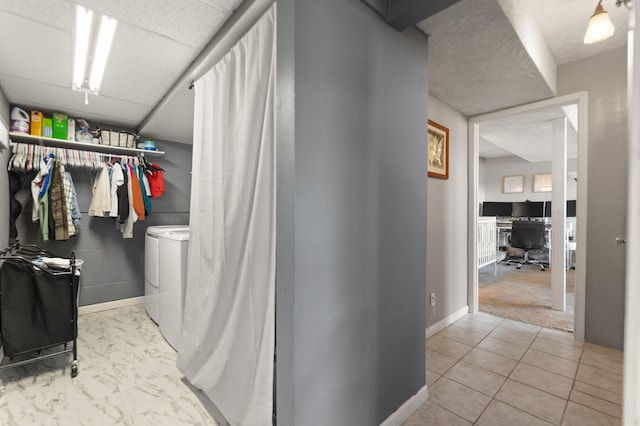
4 179
114 267
351 214
605 77
447 224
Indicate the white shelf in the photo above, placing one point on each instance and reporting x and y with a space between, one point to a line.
83 146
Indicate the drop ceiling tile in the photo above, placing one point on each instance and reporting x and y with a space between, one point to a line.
190 22
51 98
56 13
34 51
142 66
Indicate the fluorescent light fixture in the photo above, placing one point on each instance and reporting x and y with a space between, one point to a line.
600 26
85 33
101 54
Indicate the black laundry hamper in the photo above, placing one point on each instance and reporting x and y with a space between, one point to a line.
38 307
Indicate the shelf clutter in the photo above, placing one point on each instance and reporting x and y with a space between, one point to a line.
74 133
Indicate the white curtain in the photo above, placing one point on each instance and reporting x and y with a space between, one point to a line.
228 336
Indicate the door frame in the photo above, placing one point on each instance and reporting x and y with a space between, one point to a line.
581 99
631 376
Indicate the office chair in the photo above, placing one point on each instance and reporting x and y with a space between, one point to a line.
527 235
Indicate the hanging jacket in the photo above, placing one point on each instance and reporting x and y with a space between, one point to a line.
138 203
127 226
75 209
146 197
45 182
123 196
35 189
156 180
101 201
117 180
68 200
57 204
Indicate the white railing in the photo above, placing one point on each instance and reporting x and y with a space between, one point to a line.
486 241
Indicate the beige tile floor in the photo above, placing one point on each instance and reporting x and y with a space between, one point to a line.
482 370
488 371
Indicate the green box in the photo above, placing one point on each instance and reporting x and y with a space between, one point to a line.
59 126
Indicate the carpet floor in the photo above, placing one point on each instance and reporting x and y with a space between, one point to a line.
524 295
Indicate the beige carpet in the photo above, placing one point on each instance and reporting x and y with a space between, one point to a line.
524 295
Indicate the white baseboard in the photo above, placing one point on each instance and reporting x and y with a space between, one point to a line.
99 307
408 408
430 331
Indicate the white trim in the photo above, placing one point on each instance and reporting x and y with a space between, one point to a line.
99 307
582 99
408 408
631 383
430 331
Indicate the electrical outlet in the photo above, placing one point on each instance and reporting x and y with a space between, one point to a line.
433 300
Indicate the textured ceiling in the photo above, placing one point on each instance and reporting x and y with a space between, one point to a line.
477 62
564 23
528 135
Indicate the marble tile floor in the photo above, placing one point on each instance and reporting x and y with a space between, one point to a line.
487 371
127 376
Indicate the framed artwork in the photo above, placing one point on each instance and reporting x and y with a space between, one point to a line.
513 184
438 148
542 182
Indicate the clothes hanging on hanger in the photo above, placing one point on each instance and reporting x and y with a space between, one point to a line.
117 180
123 196
101 201
138 203
146 194
67 192
76 215
57 204
36 186
156 180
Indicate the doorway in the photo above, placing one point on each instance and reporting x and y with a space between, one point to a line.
520 191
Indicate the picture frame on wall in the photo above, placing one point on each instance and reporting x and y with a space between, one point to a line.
542 182
438 150
513 184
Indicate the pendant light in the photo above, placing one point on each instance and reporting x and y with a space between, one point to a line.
600 26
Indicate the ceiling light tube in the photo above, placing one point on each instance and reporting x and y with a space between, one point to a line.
83 34
600 26
103 46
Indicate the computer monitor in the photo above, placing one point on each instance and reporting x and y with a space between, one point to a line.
571 208
492 208
528 209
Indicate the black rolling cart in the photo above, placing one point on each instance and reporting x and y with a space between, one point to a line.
38 307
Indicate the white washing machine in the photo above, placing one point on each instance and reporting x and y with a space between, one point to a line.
151 292
172 275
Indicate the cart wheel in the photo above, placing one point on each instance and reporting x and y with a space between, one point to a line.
74 370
